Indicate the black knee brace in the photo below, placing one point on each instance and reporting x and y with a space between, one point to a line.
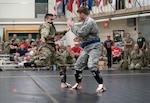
97 76
78 76
63 76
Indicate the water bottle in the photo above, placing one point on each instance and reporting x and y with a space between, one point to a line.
54 67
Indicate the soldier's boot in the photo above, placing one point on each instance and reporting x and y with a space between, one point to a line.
63 78
98 78
78 77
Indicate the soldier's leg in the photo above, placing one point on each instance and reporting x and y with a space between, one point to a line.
109 60
62 73
125 54
129 57
60 62
30 64
138 66
132 66
92 65
80 64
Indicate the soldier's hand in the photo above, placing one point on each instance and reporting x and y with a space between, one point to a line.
70 23
42 40
68 29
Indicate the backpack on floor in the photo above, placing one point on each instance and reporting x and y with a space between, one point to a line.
123 64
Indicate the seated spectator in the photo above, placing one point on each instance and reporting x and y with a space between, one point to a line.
136 58
116 53
30 38
23 41
69 55
15 38
58 50
32 48
76 49
37 42
24 60
13 47
21 52
62 47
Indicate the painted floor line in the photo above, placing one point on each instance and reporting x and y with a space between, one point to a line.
86 75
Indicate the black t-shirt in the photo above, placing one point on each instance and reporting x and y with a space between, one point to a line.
22 52
140 42
108 44
13 50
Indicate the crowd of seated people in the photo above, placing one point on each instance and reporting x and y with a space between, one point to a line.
133 53
22 50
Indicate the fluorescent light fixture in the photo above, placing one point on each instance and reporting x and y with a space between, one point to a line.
125 17
142 15
29 23
102 20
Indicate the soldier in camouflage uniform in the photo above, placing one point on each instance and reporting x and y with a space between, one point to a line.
69 55
62 47
89 57
46 52
128 45
136 56
48 33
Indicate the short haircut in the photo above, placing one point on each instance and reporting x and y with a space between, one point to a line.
31 42
47 15
139 33
84 10
23 38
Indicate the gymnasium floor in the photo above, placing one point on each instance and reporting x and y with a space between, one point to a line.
44 87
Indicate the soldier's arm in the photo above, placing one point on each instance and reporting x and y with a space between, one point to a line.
140 54
144 43
72 54
61 32
83 31
130 43
44 30
132 55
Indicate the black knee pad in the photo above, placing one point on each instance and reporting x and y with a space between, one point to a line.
63 76
97 76
78 76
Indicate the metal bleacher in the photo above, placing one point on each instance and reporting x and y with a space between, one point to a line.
5 62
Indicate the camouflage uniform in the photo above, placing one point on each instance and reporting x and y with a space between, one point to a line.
29 40
136 57
104 54
1 46
48 32
7 48
62 48
17 40
128 49
69 57
89 57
